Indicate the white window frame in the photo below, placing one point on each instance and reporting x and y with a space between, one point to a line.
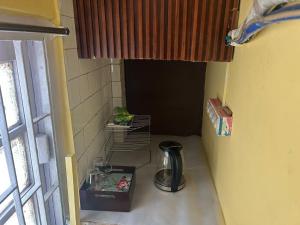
8 135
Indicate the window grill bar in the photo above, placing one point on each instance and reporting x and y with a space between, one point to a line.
15 132
7 192
7 213
38 119
50 192
62 31
29 194
10 161
30 130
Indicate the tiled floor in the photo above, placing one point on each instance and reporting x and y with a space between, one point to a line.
196 204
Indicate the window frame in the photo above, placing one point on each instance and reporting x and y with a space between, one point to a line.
18 130
26 126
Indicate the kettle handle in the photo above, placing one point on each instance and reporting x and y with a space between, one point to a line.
176 164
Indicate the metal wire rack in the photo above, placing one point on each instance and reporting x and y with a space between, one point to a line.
134 137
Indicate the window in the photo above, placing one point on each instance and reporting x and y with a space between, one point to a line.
9 93
29 185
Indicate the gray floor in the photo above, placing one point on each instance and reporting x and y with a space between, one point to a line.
196 204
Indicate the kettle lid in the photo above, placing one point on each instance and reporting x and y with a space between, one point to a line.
170 146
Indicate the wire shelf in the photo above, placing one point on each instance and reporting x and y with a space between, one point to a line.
135 137
139 121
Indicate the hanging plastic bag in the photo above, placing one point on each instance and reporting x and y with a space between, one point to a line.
256 13
261 6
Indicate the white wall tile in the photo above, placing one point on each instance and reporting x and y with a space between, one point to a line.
110 107
105 75
74 96
115 61
108 76
101 98
96 101
79 144
101 140
78 118
92 105
122 71
116 72
59 3
96 147
91 154
88 65
107 113
107 93
94 81
92 129
70 40
93 145
103 119
123 87
84 87
117 102
71 63
116 90
82 167
104 95
67 8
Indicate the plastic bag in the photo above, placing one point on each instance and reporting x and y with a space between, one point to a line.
260 7
257 11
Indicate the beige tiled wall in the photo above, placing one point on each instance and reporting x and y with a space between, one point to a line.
90 96
118 83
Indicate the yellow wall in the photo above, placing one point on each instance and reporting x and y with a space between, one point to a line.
44 8
257 170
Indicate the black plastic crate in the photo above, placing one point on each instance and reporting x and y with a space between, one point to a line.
107 200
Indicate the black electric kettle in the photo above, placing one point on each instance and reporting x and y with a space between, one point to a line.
169 175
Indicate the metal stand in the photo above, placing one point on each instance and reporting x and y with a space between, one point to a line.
133 138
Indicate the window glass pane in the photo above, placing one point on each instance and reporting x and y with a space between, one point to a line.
21 163
4 181
29 212
9 95
13 220
53 209
9 200
37 80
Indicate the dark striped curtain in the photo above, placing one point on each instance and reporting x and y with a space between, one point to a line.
190 30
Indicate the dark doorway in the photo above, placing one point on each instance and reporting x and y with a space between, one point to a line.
170 91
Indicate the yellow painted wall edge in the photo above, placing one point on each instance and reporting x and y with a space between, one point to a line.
256 171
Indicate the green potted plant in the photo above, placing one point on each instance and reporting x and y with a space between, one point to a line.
122 116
